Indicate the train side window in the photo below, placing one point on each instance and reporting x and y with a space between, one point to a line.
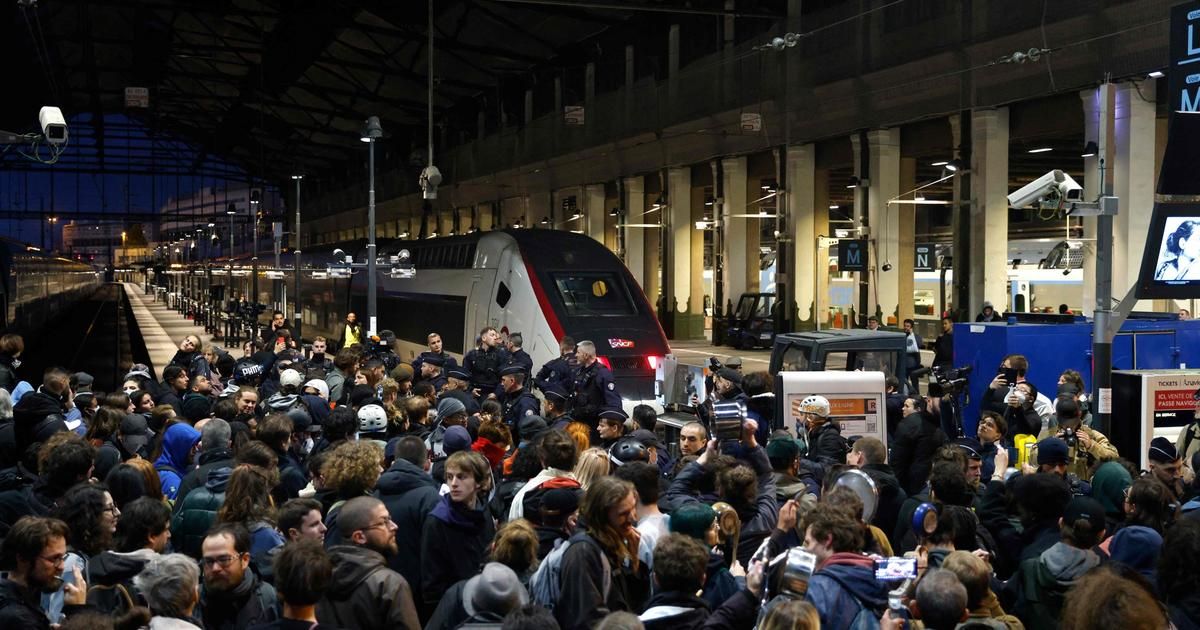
503 295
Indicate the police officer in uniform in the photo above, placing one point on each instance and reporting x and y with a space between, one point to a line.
594 387
560 371
435 350
554 407
484 364
517 356
457 383
518 402
431 372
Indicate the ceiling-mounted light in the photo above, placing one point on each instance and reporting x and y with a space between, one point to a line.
1156 74
1090 149
372 130
1041 150
615 212
545 221
232 209
856 182
942 163
955 165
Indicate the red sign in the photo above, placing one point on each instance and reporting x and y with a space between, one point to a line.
1174 400
620 343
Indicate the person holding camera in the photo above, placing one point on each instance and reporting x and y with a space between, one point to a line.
1012 372
1085 445
844 582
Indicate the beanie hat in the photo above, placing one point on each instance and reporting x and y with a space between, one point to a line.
402 372
361 395
1163 451
1052 451
450 406
1137 547
195 407
456 439
782 450
692 519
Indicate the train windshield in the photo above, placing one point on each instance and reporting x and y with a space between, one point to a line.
597 293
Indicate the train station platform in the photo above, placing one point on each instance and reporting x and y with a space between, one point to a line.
162 328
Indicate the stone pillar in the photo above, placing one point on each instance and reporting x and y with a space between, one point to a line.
906 239
688 321
635 237
803 210
1133 180
592 207
989 212
884 219
733 235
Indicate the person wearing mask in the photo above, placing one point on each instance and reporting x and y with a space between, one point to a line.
484 364
601 565
593 389
171 586
917 438
1041 584
457 535
365 593
844 581
178 447
35 551
232 596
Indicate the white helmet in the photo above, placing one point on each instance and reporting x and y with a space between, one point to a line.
816 405
372 419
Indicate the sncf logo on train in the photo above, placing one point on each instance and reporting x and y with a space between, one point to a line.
620 343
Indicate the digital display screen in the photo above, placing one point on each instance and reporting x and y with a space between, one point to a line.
1171 260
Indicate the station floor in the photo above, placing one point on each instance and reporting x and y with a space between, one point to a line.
162 328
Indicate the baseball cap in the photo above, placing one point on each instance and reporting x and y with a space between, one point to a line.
83 380
456 439
301 421
1085 508
135 432
733 361
290 378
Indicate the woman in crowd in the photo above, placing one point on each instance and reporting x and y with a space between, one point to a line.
248 501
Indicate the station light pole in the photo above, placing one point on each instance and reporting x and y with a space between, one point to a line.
232 211
297 313
254 205
372 132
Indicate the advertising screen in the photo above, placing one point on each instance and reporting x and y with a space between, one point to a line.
1171 260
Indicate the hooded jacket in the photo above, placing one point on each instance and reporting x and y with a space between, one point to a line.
178 442
410 494
825 444
107 570
844 584
197 512
1042 583
251 602
17 498
209 461
454 544
32 417
365 593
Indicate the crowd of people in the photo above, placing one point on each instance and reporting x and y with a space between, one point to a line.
340 487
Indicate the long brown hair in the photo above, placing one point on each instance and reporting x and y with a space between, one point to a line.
248 496
603 494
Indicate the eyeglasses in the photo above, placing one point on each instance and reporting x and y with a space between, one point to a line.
112 509
222 561
55 560
384 524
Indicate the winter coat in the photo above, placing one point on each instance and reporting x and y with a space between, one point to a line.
891 496
292 478
410 495
8 373
173 464
197 478
673 610
22 609
251 602
917 438
454 545
826 446
844 584
197 512
17 497
719 583
365 593
36 417
109 570
584 603
1041 584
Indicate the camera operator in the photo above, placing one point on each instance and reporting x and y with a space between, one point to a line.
1085 445
1019 412
726 387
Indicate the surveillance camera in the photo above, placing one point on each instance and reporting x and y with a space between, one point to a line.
430 179
1053 186
887 266
54 126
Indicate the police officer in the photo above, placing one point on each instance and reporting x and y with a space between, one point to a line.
484 364
457 384
560 371
517 356
518 402
594 387
434 340
554 407
431 372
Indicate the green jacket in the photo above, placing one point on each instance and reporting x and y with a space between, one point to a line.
198 512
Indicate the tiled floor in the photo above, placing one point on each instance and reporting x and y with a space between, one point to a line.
162 328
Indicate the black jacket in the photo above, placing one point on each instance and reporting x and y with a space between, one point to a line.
917 438
410 494
17 498
891 496
251 602
36 418
8 373
673 610
584 604
454 545
826 446
364 593
22 609
943 350
109 569
292 478
196 478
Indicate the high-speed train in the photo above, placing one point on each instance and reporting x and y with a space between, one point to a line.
36 286
544 284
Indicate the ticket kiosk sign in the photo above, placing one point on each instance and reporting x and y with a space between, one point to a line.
856 400
1150 404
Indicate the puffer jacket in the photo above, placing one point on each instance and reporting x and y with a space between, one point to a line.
198 512
1042 583
365 593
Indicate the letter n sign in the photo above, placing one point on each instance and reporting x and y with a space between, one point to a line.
923 257
852 255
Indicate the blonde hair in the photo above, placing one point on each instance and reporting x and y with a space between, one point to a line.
353 468
593 464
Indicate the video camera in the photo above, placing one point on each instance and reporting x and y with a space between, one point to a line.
725 423
380 347
714 364
949 381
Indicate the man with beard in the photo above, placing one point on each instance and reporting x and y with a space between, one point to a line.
365 593
35 549
232 597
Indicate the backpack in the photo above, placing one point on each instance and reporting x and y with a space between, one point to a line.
114 599
545 587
